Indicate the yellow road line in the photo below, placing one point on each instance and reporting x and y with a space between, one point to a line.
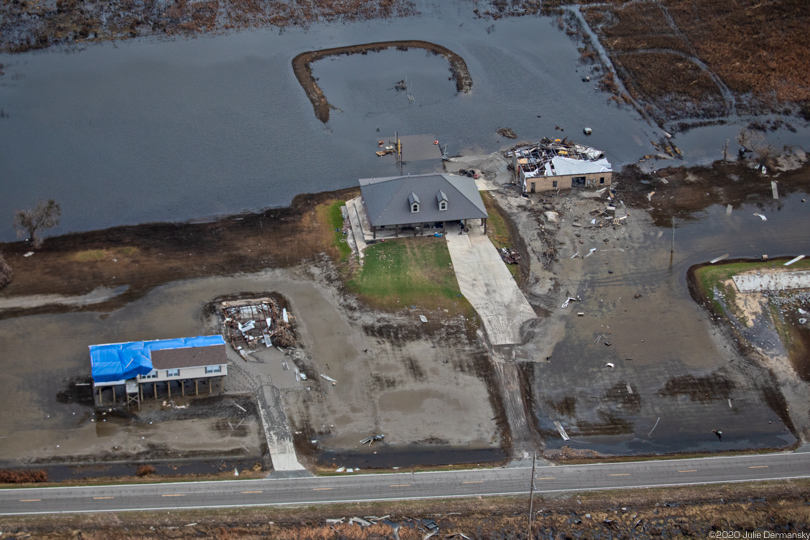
30 500
545 478
321 489
399 485
759 467
174 495
99 498
620 474
689 470
253 492
473 482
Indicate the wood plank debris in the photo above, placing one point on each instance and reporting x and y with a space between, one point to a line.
249 323
728 210
718 259
794 260
774 190
561 430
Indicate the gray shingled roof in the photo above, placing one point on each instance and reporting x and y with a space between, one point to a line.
386 199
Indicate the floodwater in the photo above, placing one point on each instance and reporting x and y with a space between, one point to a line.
171 130
652 374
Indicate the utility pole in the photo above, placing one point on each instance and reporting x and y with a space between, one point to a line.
673 235
531 495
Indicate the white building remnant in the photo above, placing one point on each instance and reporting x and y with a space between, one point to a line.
560 164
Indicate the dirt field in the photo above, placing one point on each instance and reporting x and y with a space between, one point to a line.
395 373
692 511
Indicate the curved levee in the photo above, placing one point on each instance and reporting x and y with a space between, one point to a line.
302 67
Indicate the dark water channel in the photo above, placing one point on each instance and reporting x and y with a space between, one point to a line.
154 130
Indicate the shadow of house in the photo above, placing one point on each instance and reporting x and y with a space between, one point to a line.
419 202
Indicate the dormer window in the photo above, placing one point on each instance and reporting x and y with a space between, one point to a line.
414 202
441 197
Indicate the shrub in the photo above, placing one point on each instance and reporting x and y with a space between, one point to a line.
23 476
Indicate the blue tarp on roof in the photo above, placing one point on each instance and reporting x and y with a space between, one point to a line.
119 361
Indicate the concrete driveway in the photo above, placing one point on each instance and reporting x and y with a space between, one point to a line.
486 282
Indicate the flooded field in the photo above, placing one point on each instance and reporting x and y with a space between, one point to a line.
171 130
644 369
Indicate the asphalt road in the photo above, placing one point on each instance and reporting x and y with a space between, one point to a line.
381 487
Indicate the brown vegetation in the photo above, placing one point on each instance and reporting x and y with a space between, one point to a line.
302 67
144 470
759 50
149 255
26 25
23 476
5 272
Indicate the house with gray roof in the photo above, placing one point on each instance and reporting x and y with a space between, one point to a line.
421 201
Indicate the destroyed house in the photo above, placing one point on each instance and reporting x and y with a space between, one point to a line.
560 164
169 361
420 202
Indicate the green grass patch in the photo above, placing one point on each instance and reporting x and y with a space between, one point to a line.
498 230
406 272
332 215
711 277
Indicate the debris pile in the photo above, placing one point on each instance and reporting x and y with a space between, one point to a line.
509 256
535 159
251 322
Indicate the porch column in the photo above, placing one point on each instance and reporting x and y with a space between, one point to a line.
100 401
169 388
154 387
183 388
113 389
484 223
210 385
196 387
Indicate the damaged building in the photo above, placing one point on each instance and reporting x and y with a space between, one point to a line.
556 164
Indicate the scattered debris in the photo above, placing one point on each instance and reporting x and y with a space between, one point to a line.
587 131
370 440
506 132
796 259
509 256
330 379
728 210
423 318
718 259
655 426
760 216
250 322
610 364
28 254
561 430
570 299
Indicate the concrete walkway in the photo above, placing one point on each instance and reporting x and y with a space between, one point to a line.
486 282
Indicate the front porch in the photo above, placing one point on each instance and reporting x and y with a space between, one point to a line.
364 233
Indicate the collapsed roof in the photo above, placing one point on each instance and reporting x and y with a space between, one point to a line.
560 158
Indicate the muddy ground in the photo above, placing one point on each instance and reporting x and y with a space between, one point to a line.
302 67
696 511
394 374
633 364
